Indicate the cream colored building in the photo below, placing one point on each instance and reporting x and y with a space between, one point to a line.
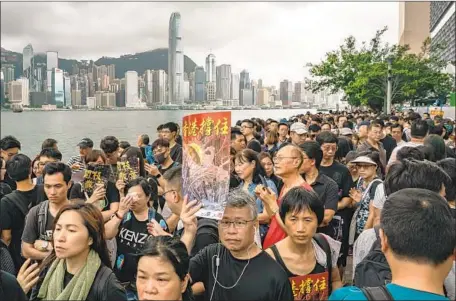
414 18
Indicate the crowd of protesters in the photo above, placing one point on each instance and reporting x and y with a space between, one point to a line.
307 193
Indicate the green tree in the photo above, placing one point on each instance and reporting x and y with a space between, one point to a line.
362 74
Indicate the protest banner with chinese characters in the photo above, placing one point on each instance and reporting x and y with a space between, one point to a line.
310 287
95 175
128 168
206 161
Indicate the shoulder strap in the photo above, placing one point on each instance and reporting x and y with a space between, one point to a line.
377 293
323 243
9 198
100 280
42 218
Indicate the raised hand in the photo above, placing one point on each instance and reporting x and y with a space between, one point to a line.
28 275
154 229
188 214
125 205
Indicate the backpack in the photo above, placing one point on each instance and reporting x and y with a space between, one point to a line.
323 243
207 227
378 293
42 219
6 261
373 270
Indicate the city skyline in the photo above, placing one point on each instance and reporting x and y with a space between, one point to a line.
258 37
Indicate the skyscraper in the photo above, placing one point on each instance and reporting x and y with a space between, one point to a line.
25 91
52 61
286 92
414 24
211 72
234 87
159 87
175 61
111 72
131 89
244 84
58 89
443 30
15 92
223 82
67 90
148 80
200 79
28 66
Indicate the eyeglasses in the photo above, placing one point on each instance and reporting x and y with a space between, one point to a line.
168 191
328 148
279 159
239 224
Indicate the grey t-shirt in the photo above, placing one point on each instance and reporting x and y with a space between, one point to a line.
31 229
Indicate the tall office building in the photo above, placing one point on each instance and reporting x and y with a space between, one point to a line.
175 61
299 92
186 90
25 91
15 92
244 84
28 66
223 83
131 89
211 72
67 90
246 96
234 87
159 79
149 91
413 24
260 84
443 28
52 61
8 73
191 82
210 91
111 72
76 100
58 89
200 83
263 97
286 92
2 88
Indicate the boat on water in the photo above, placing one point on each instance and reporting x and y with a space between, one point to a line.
17 109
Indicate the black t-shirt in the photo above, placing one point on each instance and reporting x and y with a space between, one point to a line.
112 194
13 210
176 153
327 190
263 279
10 288
206 235
11 183
341 175
254 145
31 229
131 238
389 144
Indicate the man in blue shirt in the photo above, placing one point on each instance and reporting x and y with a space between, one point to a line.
418 239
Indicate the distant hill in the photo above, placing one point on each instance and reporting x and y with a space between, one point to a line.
139 62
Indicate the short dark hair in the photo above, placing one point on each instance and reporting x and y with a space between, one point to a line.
298 199
313 150
419 129
376 124
283 124
419 226
174 177
437 129
171 126
397 125
234 133
109 144
19 167
124 144
314 128
145 139
415 174
48 143
145 185
449 166
159 128
57 167
8 142
409 152
428 152
51 153
326 137
252 124
438 145
160 142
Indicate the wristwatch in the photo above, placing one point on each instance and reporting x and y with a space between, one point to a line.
44 245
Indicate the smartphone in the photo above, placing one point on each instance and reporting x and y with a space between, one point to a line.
263 181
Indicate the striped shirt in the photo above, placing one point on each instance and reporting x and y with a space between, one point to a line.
76 160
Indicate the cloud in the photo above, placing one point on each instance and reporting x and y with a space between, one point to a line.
273 40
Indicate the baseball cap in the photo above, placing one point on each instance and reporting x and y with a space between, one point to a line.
345 131
299 128
365 160
85 143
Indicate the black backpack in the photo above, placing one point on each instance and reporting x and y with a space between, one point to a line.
6 261
379 293
373 270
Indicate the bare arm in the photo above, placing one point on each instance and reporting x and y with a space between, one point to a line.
29 251
6 237
329 214
113 207
336 281
264 218
112 227
377 213
344 203
370 218
172 222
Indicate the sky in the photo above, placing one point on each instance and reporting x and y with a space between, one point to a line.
272 40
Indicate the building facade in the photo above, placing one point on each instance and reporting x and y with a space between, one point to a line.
286 92
443 28
234 87
131 89
223 82
58 89
159 79
413 24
